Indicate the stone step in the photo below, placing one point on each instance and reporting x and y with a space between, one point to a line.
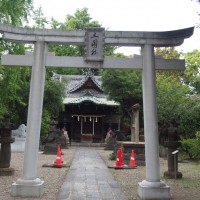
87 144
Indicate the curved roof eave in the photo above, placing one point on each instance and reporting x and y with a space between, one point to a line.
99 101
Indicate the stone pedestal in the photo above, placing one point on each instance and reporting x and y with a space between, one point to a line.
27 188
5 153
18 145
51 148
172 159
110 145
5 140
173 174
5 156
7 171
153 191
138 148
55 137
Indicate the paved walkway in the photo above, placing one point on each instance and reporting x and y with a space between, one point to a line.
89 179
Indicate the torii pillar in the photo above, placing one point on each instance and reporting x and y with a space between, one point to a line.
29 184
151 188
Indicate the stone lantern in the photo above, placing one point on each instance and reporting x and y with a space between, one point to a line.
172 155
6 128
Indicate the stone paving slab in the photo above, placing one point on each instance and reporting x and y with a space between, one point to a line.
89 179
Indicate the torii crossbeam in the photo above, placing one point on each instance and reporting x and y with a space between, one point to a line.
79 62
93 40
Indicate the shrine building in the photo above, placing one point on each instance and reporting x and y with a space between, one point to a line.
88 113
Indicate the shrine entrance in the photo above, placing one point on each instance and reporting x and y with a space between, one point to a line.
88 113
93 40
87 128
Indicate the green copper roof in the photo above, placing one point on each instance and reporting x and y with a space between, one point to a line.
99 101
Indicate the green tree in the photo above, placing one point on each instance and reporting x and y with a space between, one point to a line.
178 95
53 96
123 86
39 19
191 74
190 116
170 90
15 12
14 92
170 95
169 53
11 82
79 21
53 102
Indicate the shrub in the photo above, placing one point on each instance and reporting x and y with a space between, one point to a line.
112 156
191 147
197 135
45 125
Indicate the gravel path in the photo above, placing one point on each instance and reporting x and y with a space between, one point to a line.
187 188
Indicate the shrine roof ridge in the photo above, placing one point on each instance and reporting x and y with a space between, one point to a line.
82 82
77 37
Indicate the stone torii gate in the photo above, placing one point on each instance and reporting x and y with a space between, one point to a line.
94 40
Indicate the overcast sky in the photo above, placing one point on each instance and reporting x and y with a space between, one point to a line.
132 15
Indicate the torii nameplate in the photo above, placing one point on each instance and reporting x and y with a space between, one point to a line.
94 44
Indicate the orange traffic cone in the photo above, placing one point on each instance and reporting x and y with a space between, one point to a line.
119 158
58 162
132 160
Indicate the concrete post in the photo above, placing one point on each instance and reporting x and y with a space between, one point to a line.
152 187
29 184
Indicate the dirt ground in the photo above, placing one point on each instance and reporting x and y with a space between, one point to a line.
187 188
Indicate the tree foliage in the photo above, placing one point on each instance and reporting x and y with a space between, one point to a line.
191 147
53 96
12 80
169 53
191 74
178 96
15 81
170 95
39 19
189 116
123 86
14 92
79 21
15 11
